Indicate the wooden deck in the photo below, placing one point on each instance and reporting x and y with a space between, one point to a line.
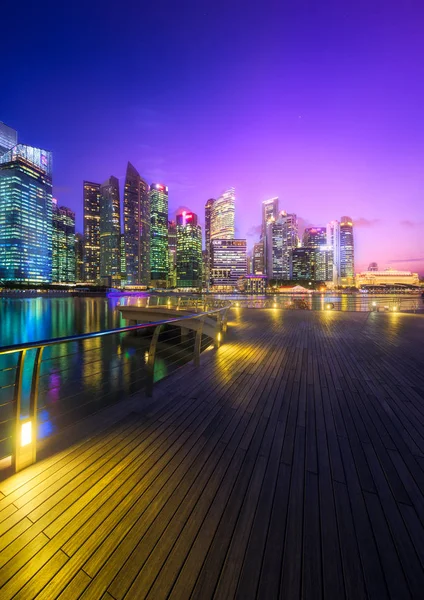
290 465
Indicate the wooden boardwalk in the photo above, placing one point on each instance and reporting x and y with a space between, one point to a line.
290 465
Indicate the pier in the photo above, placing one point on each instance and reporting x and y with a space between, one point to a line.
289 465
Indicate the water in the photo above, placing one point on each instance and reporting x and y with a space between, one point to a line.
77 378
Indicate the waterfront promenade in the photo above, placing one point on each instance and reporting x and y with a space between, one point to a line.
290 464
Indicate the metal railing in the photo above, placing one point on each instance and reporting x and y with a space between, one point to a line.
332 302
50 384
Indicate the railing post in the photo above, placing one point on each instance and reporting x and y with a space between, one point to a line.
218 333
151 360
198 344
224 320
25 435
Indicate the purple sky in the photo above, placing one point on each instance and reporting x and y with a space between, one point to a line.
320 103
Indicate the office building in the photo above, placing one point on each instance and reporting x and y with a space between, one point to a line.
159 259
269 213
79 258
222 216
110 233
91 199
63 244
333 240
123 260
172 254
136 228
303 264
207 257
26 215
323 264
274 248
258 258
314 237
347 262
189 251
8 138
228 262
289 243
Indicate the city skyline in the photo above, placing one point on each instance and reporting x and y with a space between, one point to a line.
337 127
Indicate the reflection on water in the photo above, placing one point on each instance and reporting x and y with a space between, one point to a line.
76 378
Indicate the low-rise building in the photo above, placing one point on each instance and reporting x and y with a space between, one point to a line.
387 277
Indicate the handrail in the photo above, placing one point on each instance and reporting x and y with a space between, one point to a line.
20 427
84 336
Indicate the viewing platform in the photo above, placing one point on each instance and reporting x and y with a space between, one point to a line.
289 464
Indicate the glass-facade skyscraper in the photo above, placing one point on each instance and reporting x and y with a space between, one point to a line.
222 217
207 256
172 253
159 259
347 263
314 237
8 138
63 245
26 215
136 228
110 233
258 258
91 232
333 240
189 251
269 213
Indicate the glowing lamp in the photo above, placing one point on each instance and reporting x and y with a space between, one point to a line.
219 336
26 433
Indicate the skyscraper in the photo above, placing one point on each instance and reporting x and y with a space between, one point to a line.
208 223
303 263
123 260
79 258
333 240
8 138
323 263
228 262
110 233
258 258
189 251
290 242
172 253
63 244
274 248
269 213
159 259
347 263
136 227
314 237
91 194
222 217
26 215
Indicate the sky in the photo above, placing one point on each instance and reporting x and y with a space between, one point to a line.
318 103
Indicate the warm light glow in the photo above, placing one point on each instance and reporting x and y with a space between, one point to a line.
394 308
275 305
329 306
219 336
26 433
374 303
